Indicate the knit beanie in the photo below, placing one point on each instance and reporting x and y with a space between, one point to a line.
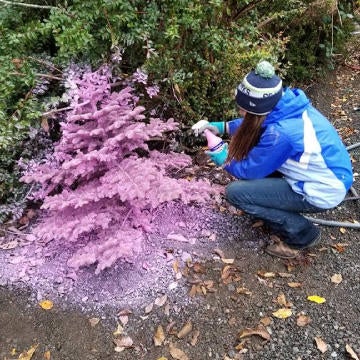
260 90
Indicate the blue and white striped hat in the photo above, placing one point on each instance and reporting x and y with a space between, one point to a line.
260 90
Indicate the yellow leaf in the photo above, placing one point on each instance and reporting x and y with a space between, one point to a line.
162 358
27 355
342 230
46 304
316 299
47 355
282 313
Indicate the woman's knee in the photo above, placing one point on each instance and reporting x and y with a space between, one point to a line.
233 192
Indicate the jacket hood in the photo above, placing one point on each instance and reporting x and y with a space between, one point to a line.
291 105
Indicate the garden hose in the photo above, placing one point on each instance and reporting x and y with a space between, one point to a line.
334 223
348 224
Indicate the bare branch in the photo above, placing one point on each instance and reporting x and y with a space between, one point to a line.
27 5
63 109
37 74
44 62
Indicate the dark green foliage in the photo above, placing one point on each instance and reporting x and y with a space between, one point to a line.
197 50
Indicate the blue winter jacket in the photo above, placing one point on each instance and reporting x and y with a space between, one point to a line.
299 142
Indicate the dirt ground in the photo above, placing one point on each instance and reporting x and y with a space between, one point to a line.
208 291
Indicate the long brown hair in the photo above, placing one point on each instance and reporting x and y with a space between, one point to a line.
246 137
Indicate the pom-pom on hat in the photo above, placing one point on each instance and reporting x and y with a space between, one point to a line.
260 90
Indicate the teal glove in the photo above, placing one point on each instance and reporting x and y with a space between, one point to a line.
219 157
216 127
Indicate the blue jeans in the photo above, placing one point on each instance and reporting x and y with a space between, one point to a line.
273 200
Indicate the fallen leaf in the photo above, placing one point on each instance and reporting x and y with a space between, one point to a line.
186 329
124 312
229 274
303 320
265 274
285 275
241 345
227 261
9 245
257 224
94 321
159 336
260 330
351 352
295 284
160 301
46 304
177 353
195 337
47 355
219 252
123 343
290 267
167 309
339 247
119 330
266 321
342 230
176 266
316 299
162 358
336 278
321 344
199 268
281 300
27 355
149 308
170 328
124 319
282 313
193 291
242 290
177 237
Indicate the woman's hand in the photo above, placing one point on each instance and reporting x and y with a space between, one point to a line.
219 157
217 128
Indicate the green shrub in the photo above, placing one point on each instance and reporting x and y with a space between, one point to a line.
199 49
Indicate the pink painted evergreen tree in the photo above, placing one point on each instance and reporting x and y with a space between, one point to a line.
102 182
